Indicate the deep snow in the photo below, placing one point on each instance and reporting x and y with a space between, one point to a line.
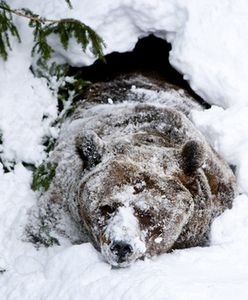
209 46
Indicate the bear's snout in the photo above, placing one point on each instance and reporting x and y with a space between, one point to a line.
122 250
122 243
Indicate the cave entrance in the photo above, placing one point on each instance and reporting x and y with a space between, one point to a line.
149 57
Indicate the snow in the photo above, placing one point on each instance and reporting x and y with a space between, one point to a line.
227 131
124 227
24 101
209 47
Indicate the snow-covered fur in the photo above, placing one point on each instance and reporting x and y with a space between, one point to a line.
135 174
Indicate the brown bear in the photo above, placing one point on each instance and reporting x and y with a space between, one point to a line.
134 173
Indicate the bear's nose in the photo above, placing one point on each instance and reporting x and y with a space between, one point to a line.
122 250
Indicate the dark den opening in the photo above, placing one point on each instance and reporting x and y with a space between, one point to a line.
149 57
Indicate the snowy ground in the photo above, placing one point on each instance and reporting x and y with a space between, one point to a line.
209 46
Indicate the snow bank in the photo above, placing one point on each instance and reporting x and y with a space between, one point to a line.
209 39
209 46
27 105
227 131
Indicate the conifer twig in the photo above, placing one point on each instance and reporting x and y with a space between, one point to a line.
43 27
37 18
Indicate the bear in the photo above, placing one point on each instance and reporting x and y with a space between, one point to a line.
134 176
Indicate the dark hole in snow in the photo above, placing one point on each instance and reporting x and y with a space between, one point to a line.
149 57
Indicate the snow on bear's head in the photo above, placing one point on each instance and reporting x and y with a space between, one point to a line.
133 202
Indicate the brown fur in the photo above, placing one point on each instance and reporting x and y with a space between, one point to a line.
144 161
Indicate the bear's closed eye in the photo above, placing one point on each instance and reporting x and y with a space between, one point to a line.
107 210
145 218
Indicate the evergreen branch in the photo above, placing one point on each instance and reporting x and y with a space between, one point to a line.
6 27
43 27
69 3
3 50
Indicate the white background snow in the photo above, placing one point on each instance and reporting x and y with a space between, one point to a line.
209 46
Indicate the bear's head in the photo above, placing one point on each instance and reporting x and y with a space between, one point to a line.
132 201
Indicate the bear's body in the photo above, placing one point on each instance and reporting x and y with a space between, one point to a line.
135 174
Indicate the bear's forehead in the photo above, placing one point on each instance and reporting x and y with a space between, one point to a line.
140 164
133 170
147 197
123 184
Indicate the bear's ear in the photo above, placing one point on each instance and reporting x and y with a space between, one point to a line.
90 148
193 157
